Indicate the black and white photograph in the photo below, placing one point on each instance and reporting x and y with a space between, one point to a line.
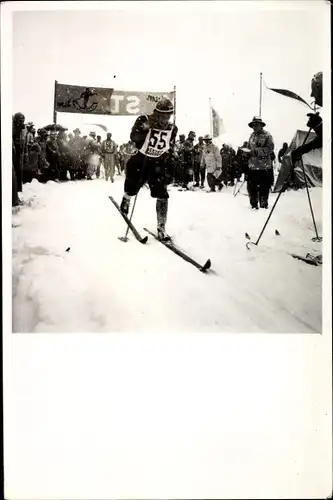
164 180
166 249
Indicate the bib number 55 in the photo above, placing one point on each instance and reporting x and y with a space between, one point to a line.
157 139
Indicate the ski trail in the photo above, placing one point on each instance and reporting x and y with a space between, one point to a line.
103 285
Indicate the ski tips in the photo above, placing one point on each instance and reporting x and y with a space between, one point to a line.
144 240
206 266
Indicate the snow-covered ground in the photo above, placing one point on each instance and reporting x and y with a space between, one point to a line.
103 285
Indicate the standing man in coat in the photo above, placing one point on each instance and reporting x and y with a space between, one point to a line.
199 175
187 160
109 151
211 160
259 178
19 148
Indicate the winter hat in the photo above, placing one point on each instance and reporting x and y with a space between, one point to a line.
257 119
207 138
164 105
77 130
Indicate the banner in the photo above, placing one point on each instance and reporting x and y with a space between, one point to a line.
217 122
103 101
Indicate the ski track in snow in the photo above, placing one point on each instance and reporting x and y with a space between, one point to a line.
104 285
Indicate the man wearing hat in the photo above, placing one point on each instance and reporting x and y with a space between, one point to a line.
153 136
211 160
259 178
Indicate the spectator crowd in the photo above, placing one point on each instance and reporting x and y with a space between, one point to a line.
50 153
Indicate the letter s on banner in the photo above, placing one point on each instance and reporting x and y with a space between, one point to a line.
132 106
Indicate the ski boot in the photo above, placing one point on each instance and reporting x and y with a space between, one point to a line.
161 211
162 234
125 204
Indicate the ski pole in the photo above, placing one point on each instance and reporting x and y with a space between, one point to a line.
240 187
316 238
277 199
124 238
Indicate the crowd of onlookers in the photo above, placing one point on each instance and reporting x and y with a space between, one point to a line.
51 154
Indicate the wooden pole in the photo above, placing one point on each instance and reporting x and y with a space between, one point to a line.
260 98
174 105
54 103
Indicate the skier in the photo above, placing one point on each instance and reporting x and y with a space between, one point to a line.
153 136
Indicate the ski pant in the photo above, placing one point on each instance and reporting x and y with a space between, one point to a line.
258 184
109 165
213 181
141 170
186 174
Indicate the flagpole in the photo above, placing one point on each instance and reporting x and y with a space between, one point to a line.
260 98
210 117
54 103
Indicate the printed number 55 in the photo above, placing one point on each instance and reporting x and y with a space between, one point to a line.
157 139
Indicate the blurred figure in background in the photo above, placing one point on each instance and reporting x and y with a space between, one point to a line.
187 160
19 148
211 160
198 178
177 160
53 157
99 152
64 156
129 150
43 163
109 151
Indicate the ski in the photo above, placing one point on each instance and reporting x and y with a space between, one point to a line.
129 223
313 260
169 244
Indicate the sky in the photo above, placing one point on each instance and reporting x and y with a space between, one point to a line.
208 50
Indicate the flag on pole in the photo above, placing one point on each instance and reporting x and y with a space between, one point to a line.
292 95
217 123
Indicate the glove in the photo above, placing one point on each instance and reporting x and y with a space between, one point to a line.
217 173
